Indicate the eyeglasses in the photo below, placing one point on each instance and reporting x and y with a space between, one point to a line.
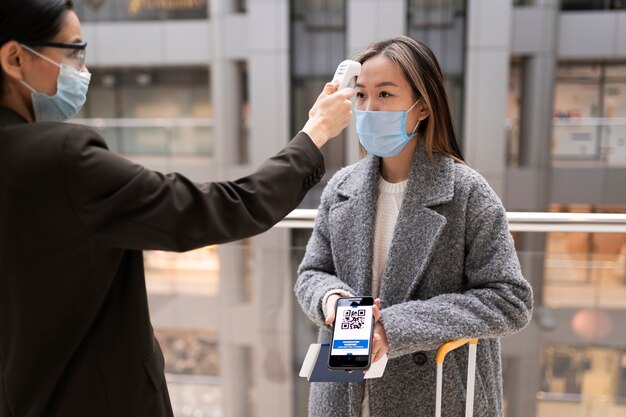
77 56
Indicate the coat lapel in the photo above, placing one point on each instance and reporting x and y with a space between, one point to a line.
418 227
352 219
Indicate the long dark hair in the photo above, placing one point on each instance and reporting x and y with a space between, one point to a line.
421 69
30 20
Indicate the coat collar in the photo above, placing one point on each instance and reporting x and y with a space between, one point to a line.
431 182
9 117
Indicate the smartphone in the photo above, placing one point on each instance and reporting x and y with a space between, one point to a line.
351 346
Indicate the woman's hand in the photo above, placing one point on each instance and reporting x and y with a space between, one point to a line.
380 345
330 114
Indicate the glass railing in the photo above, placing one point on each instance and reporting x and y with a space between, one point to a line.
191 137
600 140
234 336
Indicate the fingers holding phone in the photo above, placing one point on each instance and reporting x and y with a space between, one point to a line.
376 309
329 309
380 345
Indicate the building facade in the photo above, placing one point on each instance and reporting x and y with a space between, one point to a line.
211 88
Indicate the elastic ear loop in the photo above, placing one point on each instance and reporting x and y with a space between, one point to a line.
32 51
45 58
418 121
415 128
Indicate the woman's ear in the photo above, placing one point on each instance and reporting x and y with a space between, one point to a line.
12 60
422 110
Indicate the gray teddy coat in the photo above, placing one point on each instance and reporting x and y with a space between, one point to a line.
452 272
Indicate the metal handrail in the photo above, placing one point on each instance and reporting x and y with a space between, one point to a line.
518 221
577 121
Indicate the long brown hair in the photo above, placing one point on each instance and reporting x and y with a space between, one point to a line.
421 69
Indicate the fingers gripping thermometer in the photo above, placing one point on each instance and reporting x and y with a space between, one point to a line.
346 71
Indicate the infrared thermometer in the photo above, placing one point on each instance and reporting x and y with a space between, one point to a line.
346 71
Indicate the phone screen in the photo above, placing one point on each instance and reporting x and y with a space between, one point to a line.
352 333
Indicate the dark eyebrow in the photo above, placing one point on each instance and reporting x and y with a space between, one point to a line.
383 84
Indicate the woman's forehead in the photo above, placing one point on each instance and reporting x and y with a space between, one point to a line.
70 30
379 70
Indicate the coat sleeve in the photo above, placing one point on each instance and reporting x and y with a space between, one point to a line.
125 205
317 274
497 302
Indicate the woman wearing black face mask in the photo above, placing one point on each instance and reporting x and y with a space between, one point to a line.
75 334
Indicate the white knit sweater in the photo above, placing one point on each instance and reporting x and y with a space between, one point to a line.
390 196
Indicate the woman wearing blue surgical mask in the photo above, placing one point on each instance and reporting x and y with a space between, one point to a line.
416 228
75 332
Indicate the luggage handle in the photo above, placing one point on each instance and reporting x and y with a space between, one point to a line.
471 372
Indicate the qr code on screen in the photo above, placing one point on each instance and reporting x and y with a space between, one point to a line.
353 319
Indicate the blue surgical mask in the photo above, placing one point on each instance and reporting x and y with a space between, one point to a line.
383 133
72 86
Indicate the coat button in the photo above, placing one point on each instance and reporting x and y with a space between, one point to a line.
319 173
420 359
307 183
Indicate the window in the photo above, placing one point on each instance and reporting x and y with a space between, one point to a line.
116 10
321 14
152 111
580 5
590 113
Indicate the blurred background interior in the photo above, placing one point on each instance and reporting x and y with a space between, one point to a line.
211 88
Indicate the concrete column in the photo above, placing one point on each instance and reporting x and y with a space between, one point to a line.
225 89
486 78
268 69
234 371
235 356
269 84
255 333
369 21
537 105
273 351
535 162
